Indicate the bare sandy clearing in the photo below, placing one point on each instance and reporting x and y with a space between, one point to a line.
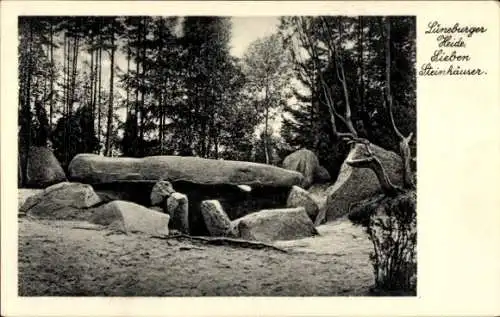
56 259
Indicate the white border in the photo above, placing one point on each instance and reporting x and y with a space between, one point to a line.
458 157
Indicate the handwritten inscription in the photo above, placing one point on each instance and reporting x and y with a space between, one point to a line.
451 58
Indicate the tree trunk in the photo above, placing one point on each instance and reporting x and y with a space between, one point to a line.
91 95
74 73
127 100
365 117
143 92
137 76
51 111
160 124
110 106
27 106
266 126
66 73
99 95
94 88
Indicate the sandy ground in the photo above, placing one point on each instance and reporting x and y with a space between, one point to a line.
57 259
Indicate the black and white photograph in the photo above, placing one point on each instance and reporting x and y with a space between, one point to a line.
186 156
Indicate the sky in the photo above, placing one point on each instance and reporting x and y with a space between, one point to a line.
245 30
248 29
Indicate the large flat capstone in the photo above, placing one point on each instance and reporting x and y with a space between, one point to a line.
95 169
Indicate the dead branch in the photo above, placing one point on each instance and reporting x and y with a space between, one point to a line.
223 241
373 163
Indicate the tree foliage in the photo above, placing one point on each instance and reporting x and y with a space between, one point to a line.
148 85
339 62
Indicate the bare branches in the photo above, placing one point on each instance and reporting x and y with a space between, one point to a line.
307 40
331 37
339 70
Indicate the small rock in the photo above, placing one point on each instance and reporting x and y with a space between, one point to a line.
216 220
301 198
161 190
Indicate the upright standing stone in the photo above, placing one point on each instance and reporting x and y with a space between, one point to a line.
177 207
216 220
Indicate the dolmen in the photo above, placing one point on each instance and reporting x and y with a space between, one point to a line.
240 187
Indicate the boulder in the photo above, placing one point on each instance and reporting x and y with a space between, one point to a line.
300 197
274 224
356 184
306 162
95 169
216 220
64 201
161 190
129 217
177 207
43 168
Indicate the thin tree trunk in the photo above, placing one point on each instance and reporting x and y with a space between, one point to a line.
51 111
67 100
66 72
266 126
99 95
27 106
216 144
160 136
137 75
128 75
143 82
94 88
91 97
365 117
160 94
137 100
74 73
110 106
